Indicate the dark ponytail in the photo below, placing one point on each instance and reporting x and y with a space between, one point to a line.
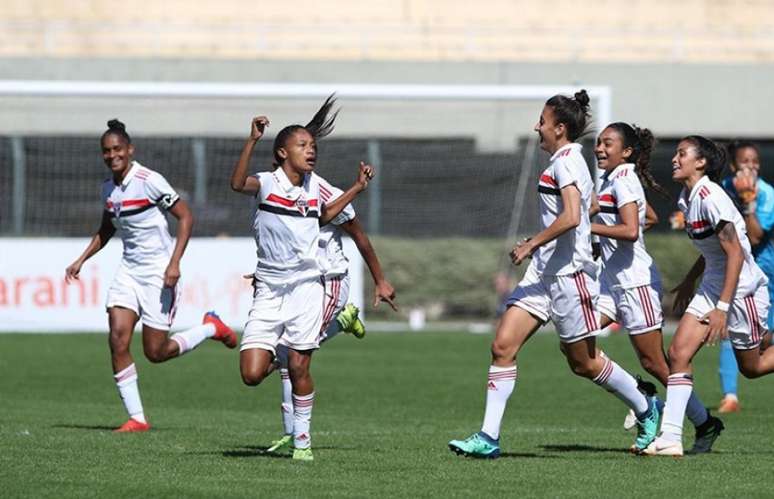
572 112
714 155
641 141
116 127
320 126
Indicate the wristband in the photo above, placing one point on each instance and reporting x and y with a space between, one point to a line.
722 306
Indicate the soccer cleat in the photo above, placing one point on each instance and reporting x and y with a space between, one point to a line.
729 404
649 390
479 445
706 434
132 426
281 444
350 322
223 333
303 454
648 427
660 447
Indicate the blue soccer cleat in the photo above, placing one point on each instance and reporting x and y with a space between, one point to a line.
479 445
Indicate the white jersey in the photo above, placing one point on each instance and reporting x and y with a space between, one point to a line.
333 262
626 264
705 207
135 207
571 251
287 229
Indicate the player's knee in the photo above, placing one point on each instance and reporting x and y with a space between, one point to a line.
155 355
251 378
678 360
749 372
654 367
582 369
502 351
119 341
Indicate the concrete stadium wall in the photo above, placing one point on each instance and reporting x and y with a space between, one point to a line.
672 99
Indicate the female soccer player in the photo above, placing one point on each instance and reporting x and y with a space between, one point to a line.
732 300
338 316
288 287
630 282
145 287
560 284
755 200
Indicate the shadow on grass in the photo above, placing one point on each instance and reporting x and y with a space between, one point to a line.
261 451
528 455
581 448
84 427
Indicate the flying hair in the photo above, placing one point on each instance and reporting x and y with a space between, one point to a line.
321 125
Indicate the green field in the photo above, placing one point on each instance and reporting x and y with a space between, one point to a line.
384 411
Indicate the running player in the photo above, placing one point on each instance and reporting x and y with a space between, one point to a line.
732 300
135 200
288 287
754 198
335 267
560 284
630 282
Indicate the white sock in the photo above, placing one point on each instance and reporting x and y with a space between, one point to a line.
500 384
287 402
679 388
695 410
302 421
126 381
191 338
621 384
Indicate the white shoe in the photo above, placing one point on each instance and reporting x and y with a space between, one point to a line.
630 421
661 447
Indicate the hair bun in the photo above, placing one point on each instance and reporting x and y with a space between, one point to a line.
115 124
582 98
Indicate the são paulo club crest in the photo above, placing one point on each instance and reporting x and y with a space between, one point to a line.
117 208
302 205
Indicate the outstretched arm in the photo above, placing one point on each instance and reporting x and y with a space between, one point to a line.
383 290
98 241
240 181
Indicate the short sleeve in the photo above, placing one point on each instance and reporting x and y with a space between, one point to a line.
563 173
329 193
717 208
160 192
627 189
765 209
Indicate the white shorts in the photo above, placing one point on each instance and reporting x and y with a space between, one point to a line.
336 296
290 315
146 296
637 309
568 300
746 317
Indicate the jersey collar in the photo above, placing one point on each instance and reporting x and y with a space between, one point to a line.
293 191
571 145
704 180
130 174
621 167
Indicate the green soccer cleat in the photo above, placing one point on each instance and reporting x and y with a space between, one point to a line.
277 445
479 445
706 434
303 454
350 322
647 429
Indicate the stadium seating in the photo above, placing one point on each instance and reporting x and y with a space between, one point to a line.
511 30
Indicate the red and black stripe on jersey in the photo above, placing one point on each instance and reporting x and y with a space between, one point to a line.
548 185
283 206
608 204
136 205
700 229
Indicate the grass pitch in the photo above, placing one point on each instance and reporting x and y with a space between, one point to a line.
384 411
